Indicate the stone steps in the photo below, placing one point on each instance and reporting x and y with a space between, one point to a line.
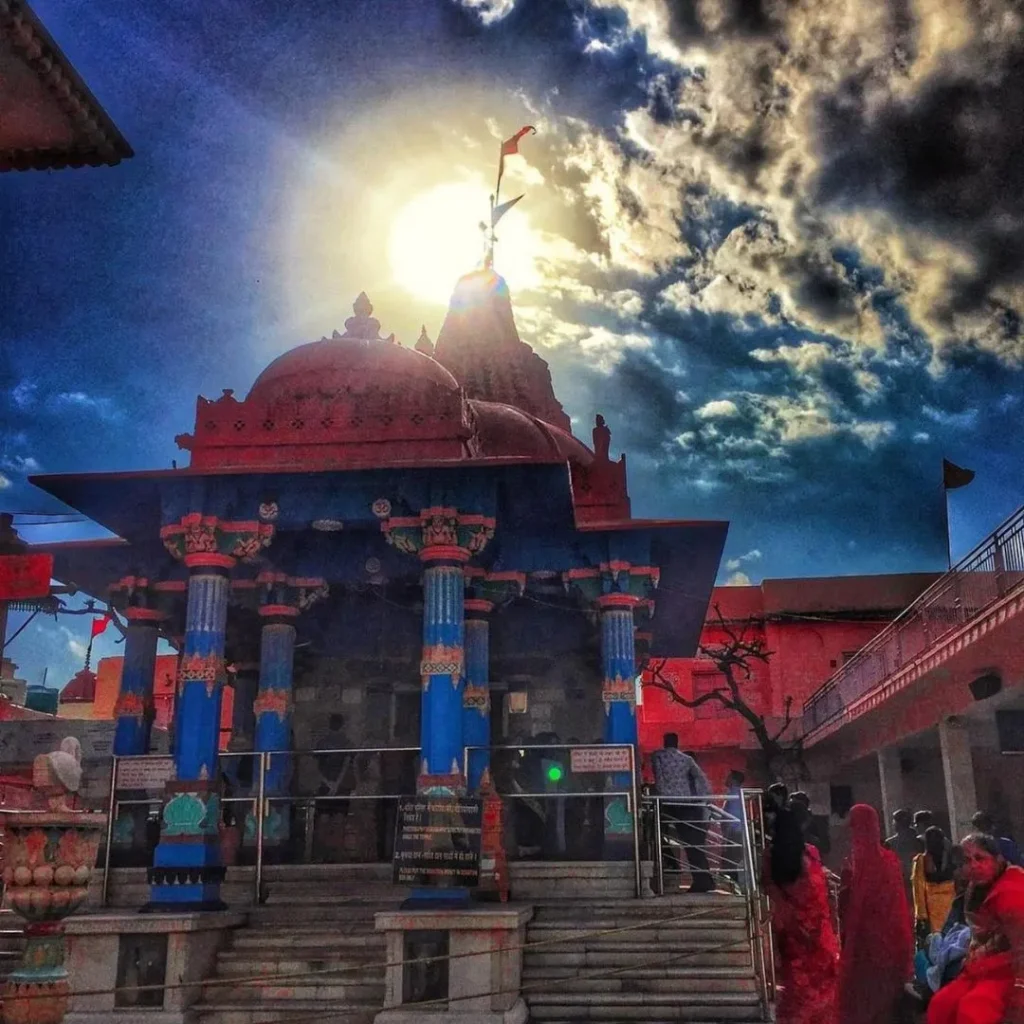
282 1011
329 959
681 958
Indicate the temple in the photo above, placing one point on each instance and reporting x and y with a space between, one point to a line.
382 546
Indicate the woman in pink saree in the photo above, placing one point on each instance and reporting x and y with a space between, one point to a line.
877 940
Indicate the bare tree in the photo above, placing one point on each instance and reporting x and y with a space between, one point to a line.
734 659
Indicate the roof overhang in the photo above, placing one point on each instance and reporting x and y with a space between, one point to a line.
48 117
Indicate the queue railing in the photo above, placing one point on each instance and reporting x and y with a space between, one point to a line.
717 842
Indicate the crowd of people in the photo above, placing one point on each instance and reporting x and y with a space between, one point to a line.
913 928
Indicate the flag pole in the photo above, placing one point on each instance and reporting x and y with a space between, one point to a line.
945 511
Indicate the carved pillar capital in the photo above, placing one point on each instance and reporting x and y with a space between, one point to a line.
440 533
202 541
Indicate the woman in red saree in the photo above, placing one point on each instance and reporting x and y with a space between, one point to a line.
990 989
877 940
805 942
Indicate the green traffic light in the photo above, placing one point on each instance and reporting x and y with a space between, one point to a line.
555 773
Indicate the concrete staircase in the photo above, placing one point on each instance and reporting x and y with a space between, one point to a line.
676 958
329 946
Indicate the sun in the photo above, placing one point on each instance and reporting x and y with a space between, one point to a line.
436 238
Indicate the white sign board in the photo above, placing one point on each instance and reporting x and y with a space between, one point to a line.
596 759
144 772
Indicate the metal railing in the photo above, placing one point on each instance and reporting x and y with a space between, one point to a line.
621 783
255 805
990 572
721 837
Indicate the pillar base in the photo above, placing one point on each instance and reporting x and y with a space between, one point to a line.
186 876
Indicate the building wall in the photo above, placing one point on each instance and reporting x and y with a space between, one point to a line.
809 626
165 674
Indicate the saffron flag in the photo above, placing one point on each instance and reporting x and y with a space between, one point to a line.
98 626
510 146
954 476
499 211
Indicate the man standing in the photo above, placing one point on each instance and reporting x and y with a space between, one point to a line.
905 843
678 775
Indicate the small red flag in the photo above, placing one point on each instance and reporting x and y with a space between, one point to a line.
510 146
98 626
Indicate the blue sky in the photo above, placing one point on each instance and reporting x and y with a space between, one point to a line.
778 246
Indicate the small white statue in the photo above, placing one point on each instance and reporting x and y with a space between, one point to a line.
58 775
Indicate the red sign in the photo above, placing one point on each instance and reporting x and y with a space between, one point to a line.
25 576
596 759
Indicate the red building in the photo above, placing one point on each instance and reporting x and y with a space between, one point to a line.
810 626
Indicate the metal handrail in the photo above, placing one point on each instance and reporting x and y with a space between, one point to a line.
750 843
975 583
261 800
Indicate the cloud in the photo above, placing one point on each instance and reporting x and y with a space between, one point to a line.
100 405
74 645
24 394
721 409
753 555
738 579
4 482
489 11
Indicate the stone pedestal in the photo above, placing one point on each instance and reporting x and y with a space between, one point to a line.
484 968
95 963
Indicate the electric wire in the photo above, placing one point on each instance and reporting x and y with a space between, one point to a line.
263 978
540 984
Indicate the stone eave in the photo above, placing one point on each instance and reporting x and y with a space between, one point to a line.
95 139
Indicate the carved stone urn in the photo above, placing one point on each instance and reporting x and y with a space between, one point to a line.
48 857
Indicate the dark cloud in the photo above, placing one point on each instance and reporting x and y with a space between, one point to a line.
947 159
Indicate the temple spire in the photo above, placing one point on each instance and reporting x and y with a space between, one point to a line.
423 343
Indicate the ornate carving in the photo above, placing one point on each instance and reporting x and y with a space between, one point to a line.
477 697
441 660
276 702
130 705
614 579
381 508
196 535
602 439
439 528
202 668
618 689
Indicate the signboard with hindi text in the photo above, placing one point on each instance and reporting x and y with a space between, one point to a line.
600 760
144 772
437 842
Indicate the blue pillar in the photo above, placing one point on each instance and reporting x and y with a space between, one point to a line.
618 662
273 710
441 671
187 869
476 697
134 708
618 693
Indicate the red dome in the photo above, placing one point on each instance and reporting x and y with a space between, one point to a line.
355 363
503 430
81 689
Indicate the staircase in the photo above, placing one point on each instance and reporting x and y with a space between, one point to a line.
308 934
675 958
664 961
